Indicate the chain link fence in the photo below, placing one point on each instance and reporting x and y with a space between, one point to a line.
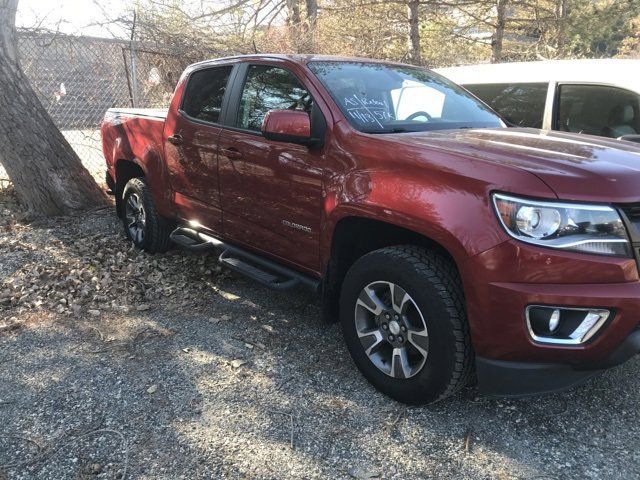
78 78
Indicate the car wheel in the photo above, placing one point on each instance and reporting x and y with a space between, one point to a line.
403 317
142 224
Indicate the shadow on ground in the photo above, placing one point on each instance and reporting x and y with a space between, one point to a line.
231 380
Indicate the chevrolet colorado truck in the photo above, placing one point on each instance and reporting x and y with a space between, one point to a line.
449 246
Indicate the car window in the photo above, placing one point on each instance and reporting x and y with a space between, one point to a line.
380 98
204 93
269 88
598 110
521 104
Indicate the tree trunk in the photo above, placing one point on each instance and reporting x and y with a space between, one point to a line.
293 17
294 25
309 25
413 16
561 14
498 35
312 13
46 173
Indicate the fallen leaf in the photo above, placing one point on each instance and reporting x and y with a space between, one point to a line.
362 474
269 329
237 363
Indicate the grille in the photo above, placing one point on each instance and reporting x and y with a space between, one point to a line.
631 217
632 214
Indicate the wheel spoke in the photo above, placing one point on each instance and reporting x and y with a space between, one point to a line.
391 329
420 340
370 300
400 367
399 297
371 340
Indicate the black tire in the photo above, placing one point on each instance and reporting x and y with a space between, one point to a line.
435 291
154 237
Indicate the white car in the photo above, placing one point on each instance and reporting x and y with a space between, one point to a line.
596 97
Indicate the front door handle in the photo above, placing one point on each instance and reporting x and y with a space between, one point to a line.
232 153
175 139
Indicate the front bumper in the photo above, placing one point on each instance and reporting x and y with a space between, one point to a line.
499 286
519 379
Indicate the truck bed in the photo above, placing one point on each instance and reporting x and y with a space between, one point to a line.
160 113
134 134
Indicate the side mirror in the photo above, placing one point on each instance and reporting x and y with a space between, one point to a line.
630 138
293 126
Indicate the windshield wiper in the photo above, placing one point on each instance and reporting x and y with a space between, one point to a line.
389 130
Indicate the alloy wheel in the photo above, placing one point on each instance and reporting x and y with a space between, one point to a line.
135 217
391 329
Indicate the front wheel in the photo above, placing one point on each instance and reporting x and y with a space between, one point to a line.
403 317
142 224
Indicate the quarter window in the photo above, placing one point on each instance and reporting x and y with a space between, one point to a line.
598 110
521 104
204 93
269 88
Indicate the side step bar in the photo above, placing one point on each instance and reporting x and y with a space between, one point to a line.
262 270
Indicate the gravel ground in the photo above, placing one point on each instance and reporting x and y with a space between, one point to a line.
165 367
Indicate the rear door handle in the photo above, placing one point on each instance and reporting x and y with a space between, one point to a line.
232 153
175 139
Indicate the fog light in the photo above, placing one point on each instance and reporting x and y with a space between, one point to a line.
562 325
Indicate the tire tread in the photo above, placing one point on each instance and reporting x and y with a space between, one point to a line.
158 231
443 275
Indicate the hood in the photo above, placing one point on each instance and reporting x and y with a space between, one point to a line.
576 167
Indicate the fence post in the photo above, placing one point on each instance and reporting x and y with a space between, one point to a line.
134 75
125 62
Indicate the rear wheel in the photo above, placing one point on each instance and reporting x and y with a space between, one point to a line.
142 224
403 317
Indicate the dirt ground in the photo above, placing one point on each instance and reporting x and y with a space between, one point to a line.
117 364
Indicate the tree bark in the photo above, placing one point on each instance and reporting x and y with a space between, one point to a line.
413 16
312 13
498 36
47 174
561 14
293 17
309 25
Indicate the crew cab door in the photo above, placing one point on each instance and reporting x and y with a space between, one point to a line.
271 192
191 138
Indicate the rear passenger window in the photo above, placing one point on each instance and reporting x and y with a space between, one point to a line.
270 88
521 104
598 110
204 92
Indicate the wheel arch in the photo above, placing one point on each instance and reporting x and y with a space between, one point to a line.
125 170
354 236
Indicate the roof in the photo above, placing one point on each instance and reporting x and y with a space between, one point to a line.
621 72
299 58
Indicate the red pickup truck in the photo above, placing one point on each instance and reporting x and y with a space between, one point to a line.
449 246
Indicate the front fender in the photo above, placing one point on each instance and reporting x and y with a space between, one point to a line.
461 220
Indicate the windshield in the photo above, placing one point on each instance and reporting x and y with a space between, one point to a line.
378 98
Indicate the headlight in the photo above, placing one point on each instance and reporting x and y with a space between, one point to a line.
581 228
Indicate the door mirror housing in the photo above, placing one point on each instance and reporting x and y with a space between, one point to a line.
293 126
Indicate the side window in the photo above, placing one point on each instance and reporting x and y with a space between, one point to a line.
269 88
521 104
598 110
204 92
